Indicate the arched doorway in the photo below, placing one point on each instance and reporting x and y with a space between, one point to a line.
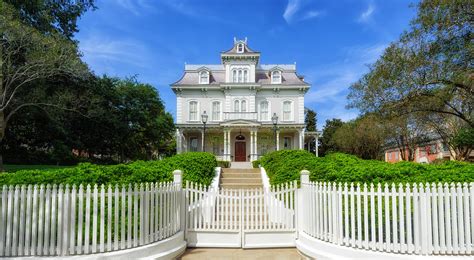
240 152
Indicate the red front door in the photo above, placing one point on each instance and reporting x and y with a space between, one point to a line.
240 152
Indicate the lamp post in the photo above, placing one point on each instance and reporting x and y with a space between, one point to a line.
204 121
275 122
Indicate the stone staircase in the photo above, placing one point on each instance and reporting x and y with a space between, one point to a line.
233 178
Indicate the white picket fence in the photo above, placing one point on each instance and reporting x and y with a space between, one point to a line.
421 219
63 220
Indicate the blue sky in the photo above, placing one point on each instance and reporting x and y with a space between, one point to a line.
332 42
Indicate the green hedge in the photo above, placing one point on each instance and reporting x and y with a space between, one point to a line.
283 166
196 167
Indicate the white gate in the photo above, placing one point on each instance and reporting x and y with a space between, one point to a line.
248 218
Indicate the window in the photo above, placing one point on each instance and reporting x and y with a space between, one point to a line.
234 76
287 111
193 144
287 142
396 156
216 111
243 106
236 106
390 155
432 149
240 48
204 77
276 77
193 111
240 75
264 111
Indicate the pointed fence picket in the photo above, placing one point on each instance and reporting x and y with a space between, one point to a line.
423 219
38 220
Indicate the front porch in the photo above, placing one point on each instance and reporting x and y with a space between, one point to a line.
239 141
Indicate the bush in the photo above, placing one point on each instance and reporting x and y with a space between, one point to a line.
284 166
196 167
223 164
256 163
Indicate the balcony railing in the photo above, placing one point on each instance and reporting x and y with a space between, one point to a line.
240 115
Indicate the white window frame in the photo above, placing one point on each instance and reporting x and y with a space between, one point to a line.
267 117
243 105
291 118
189 111
219 115
234 76
278 80
236 105
240 48
204 77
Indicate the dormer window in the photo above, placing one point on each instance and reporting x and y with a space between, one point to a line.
204 77
240 75
240 48
276 77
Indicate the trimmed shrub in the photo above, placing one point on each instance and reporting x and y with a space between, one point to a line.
284 166
223 164
255 163
196 167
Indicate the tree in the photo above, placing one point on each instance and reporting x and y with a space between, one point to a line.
28 57
364 137
327 141
52 16
428 70
310 120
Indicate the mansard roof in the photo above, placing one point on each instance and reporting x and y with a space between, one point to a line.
262 74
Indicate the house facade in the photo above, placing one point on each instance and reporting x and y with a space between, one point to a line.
239 98
424 153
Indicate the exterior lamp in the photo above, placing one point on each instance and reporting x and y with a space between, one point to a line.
275 122
204 121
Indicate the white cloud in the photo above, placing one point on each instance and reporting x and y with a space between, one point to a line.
134 6
293 11
330 84
367 14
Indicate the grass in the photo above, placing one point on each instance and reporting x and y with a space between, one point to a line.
18 167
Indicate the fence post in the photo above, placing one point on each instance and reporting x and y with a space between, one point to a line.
301 194
178 181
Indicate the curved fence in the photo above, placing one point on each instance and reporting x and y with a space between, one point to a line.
423 219
39 220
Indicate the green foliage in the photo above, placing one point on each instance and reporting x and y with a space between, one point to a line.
223 164
197 167
284 166
327 140
256 163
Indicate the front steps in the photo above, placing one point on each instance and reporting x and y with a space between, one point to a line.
232 178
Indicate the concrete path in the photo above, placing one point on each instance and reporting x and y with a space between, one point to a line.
238 253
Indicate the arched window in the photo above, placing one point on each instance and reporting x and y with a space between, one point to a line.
264 111
246 77
234 76
236 106
216 111
204 77
193 110
276 77
240 76
240 48
287 111
243 105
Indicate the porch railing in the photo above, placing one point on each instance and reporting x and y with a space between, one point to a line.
240 115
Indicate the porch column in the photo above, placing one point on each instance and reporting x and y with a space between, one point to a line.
301 135
278 140
228 145
224 156
255 149
179 146
251 145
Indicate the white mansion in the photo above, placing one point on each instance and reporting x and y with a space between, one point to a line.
240 109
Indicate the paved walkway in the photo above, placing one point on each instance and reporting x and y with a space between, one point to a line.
238 253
